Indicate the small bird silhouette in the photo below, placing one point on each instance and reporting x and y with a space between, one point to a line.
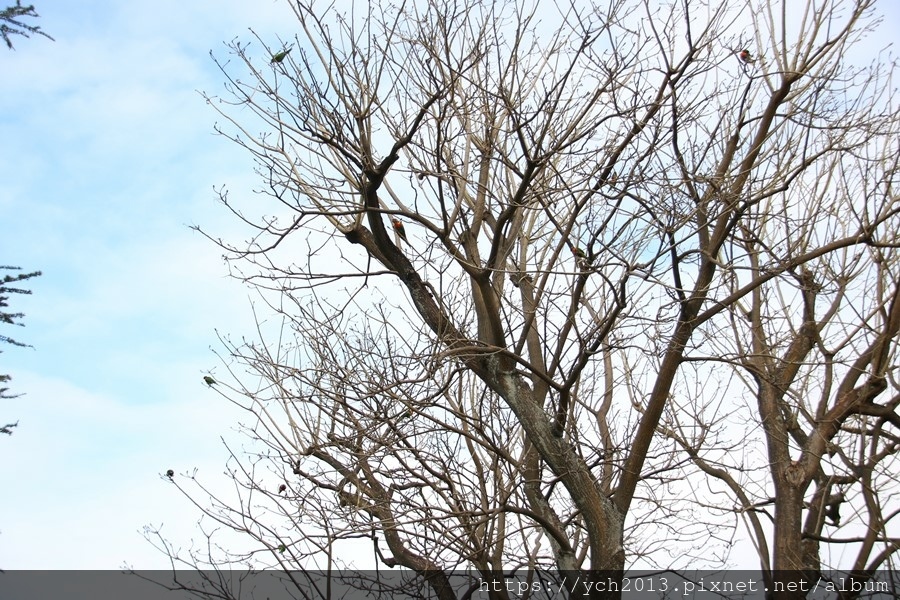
209 380
280 56
282 488
833 509
745 57
170 473
399 228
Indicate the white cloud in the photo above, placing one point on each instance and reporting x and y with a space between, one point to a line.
114 157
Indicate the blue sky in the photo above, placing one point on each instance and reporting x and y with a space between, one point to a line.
108 157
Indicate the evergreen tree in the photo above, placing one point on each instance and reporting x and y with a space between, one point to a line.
10 318
11 25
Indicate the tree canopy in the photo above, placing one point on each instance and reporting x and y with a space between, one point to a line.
649 301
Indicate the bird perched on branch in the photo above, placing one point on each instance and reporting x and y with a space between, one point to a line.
399 228
833 509
280 56
580 257
209 380
745 57
282 488
170 473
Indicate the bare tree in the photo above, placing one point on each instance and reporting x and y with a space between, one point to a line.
813 348
538 266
